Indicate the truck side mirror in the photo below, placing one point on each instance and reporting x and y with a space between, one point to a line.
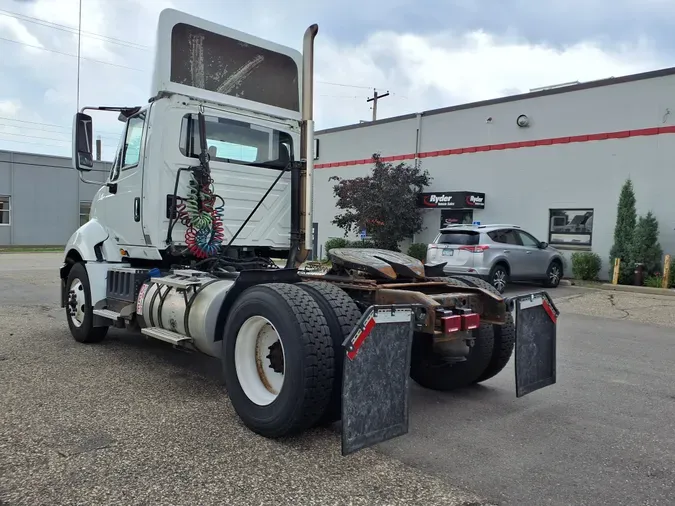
83 159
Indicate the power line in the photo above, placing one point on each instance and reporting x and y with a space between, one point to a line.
69 29
11 141
112 40
68 141
110 138
105 133
69 54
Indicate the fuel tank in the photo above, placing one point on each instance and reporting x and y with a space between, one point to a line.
186 302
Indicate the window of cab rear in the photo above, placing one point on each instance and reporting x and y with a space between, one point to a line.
459 238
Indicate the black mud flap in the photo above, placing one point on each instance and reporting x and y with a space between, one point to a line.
375 380
536 325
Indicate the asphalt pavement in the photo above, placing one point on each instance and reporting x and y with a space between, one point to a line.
131 421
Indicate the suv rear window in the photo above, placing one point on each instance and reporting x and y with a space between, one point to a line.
462 238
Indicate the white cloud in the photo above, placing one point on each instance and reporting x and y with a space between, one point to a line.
10 107
447 69
421 71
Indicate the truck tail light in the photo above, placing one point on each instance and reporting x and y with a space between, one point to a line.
451 323
475 249
470 321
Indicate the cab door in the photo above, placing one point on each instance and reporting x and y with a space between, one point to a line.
537 259
121 201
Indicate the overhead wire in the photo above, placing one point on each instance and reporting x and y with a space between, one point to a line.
112 40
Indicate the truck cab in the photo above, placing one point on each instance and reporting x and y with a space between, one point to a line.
252 125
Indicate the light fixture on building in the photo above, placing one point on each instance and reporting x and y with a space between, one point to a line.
523 121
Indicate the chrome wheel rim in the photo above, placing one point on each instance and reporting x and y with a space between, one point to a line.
76 302
554 275
499 280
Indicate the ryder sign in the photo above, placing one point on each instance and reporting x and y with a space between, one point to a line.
451 200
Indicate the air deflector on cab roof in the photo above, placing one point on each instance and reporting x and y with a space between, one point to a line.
221 64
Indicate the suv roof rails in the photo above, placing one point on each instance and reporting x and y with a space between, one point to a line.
499 225
475 227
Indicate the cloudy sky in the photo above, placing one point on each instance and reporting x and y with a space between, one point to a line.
426 53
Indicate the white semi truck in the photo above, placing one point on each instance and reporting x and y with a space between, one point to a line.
212 179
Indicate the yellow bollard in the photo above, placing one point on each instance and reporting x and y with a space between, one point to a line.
615 276
666 272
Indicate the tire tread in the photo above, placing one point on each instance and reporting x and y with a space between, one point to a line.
505 335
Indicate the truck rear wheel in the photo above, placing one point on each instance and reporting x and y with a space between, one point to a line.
432 370
79 310
342 315
505 335
277 359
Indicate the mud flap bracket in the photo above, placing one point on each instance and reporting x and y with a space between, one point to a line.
536 319
375 380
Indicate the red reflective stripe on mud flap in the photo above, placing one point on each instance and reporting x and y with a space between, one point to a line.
549 310
370 325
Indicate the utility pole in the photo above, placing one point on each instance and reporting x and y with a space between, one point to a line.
374 100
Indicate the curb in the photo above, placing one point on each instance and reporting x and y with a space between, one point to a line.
644 290
639 289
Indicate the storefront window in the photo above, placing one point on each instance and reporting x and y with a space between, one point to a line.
570 227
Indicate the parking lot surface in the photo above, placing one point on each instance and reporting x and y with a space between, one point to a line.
132 421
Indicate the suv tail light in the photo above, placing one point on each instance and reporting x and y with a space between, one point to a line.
475 249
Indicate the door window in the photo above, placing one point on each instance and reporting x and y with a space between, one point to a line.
527 240
132 141
504 237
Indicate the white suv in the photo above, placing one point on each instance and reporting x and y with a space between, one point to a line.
496 253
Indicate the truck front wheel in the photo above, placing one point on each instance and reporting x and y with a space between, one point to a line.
278 359
79 310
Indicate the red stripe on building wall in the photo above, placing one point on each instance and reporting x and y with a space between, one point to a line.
509 145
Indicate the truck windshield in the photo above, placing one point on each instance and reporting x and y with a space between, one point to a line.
236 142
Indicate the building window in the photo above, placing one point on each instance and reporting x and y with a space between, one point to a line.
570 227
85 207
5 210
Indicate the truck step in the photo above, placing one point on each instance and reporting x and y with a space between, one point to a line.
166 335
178 282
107 313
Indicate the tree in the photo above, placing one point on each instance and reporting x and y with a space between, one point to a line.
645 248
384 202
626 216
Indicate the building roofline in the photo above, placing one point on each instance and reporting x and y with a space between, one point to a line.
513 98
10 155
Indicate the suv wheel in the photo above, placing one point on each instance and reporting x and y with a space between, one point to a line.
499 277
553 274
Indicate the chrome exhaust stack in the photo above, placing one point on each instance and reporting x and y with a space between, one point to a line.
307 144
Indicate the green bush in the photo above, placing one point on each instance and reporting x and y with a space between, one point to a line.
672 274
645 247
418 250
336 242
654 281
626 218
586 265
